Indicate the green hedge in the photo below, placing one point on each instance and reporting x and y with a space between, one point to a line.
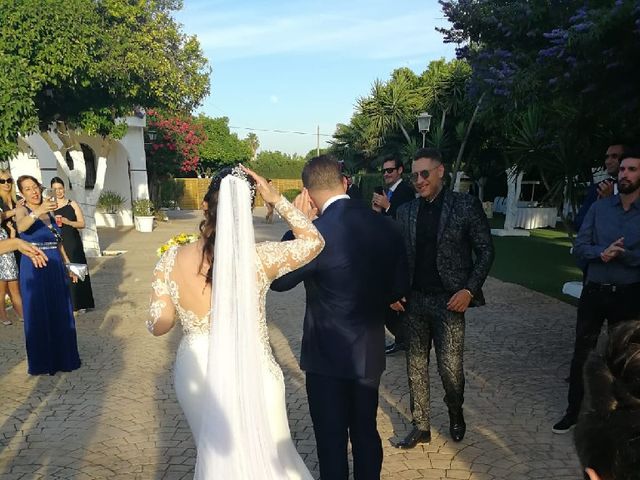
291 194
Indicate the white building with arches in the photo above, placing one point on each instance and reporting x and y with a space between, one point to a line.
89 165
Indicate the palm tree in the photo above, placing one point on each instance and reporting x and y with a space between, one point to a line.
254 143
390 107
444 88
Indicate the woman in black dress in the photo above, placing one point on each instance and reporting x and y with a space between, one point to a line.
69 216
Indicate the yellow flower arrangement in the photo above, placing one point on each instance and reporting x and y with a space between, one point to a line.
180 239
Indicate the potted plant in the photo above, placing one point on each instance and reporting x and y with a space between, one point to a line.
110 203
143 215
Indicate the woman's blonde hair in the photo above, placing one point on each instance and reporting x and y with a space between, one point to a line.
12 192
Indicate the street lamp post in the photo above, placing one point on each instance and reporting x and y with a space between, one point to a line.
424 122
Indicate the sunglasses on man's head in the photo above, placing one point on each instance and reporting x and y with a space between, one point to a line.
7 180
389 170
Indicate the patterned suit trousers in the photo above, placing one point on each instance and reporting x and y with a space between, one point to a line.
428 320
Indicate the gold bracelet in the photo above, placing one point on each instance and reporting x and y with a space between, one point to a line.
469 292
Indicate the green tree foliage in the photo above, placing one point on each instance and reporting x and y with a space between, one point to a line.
222 147
17 106
254 144
269 156
75 67
560 80
391 106
354 143
275 164
385 121
87 62
314 153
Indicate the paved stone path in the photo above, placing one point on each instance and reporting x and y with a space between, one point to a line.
117 417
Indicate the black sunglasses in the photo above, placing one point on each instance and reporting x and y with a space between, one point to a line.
389 170
8 180
422 173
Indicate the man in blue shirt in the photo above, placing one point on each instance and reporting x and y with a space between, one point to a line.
609 242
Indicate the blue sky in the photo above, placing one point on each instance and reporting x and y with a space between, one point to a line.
296 65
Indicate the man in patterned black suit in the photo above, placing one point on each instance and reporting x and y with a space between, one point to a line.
450 252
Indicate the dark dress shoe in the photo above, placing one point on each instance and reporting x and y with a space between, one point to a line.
415 437
393 348
457 427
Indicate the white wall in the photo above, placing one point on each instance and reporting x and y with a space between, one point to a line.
117 180
133 143
23 164
126 171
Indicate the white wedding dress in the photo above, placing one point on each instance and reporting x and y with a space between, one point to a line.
227 382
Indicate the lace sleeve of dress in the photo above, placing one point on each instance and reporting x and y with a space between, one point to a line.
161 305
280 258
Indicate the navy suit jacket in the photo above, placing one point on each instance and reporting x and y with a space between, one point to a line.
589 199
349 287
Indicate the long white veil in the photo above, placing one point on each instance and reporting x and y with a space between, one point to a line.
235 440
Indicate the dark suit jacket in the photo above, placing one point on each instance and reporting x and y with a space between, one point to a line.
463 233
589 199
354 192
350 285
403 193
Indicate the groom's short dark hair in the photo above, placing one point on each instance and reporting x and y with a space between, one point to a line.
322 173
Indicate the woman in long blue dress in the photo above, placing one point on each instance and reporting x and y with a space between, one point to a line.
49 326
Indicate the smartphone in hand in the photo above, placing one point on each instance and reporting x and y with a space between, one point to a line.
379 190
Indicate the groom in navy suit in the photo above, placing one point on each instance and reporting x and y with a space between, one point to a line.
361 271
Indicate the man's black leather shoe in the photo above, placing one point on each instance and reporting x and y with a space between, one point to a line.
415 437
393 348
457 427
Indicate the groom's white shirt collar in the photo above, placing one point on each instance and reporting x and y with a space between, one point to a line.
331 200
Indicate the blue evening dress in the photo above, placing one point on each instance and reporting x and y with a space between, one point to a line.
49 326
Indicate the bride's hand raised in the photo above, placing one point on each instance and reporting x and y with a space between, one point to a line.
267 190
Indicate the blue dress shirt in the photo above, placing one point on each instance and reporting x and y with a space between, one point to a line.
605 222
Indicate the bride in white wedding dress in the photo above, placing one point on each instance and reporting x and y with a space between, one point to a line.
226 379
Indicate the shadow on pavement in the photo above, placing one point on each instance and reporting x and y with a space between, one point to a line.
57 428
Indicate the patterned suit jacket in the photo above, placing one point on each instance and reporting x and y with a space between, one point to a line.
465 248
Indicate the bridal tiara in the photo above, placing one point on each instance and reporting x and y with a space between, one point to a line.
242 175
235 172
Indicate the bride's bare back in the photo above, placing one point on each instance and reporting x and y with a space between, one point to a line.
195 293
180 282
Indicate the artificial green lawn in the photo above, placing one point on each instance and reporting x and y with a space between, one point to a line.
541 262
